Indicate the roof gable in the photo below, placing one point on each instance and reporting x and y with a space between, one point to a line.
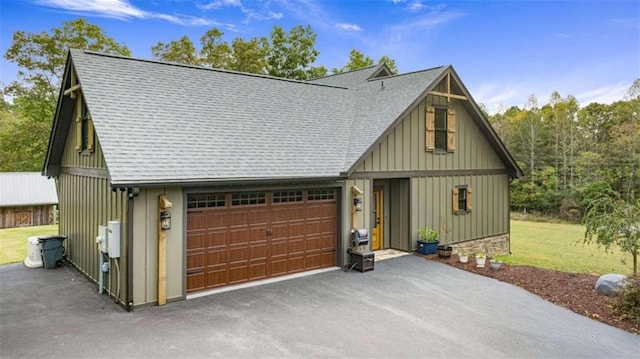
457 89
26 189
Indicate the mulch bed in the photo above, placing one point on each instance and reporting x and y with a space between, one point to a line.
570 290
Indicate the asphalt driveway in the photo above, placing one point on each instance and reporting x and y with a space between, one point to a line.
406 307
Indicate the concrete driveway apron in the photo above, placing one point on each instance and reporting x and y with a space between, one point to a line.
406 307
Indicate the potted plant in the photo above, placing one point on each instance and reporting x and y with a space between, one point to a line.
427 240
463 257
481 258
444 251
496 263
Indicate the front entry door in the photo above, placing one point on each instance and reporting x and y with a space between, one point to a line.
377 230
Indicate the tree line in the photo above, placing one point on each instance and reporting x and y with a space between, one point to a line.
568 152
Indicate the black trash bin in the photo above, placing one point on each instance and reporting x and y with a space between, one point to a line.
52 250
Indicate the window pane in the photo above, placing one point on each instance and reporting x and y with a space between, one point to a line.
462 199
441 140
441 119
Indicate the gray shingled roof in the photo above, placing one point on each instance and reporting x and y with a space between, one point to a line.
26 189
161 123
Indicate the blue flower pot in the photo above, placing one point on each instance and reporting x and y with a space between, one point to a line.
427 247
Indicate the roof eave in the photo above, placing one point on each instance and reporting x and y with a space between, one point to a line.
222 181
51 165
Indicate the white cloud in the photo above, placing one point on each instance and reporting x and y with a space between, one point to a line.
498 97
122 10
416 6
606 94
349 27
213 5
251 14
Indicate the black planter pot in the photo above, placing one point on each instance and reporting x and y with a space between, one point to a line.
444 251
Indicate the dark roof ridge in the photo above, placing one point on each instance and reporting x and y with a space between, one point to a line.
195 67
408 73
347 72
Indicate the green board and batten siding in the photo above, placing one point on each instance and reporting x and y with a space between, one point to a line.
401 154
145 246
85 202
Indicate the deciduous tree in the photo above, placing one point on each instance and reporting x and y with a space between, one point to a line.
41 58
292 54
615 222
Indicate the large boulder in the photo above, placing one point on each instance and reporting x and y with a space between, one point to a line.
607 284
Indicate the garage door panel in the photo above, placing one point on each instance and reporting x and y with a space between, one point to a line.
279 266
239 236
313 260
257 271
217 256
278 247
314 243
217 278
196 221
215 219
296 245
258 251
217 239
295 264
328 258
238 274
238 254
196 281
260 235
196 259
196 241
298 228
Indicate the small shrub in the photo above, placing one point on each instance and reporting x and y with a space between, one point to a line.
628 305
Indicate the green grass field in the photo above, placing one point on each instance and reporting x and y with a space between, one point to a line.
13 241
560 247
544 245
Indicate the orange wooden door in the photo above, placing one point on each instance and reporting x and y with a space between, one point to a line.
377 231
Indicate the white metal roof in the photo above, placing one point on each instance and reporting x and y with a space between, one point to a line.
26 189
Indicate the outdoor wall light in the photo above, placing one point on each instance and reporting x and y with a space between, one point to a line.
357 202
165 220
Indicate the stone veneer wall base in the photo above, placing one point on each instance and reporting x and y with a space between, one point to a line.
491 246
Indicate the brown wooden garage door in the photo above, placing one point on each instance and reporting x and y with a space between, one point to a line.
239 237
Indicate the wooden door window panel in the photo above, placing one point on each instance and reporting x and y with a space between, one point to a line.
209 200
287 196
324 194
248 198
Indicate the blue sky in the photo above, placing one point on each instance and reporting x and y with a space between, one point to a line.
504 51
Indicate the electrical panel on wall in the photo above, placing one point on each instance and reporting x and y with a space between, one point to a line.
102 238
113 245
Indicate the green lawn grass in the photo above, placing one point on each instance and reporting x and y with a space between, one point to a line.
560 247
13 241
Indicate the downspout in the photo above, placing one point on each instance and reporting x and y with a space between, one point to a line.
132 193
